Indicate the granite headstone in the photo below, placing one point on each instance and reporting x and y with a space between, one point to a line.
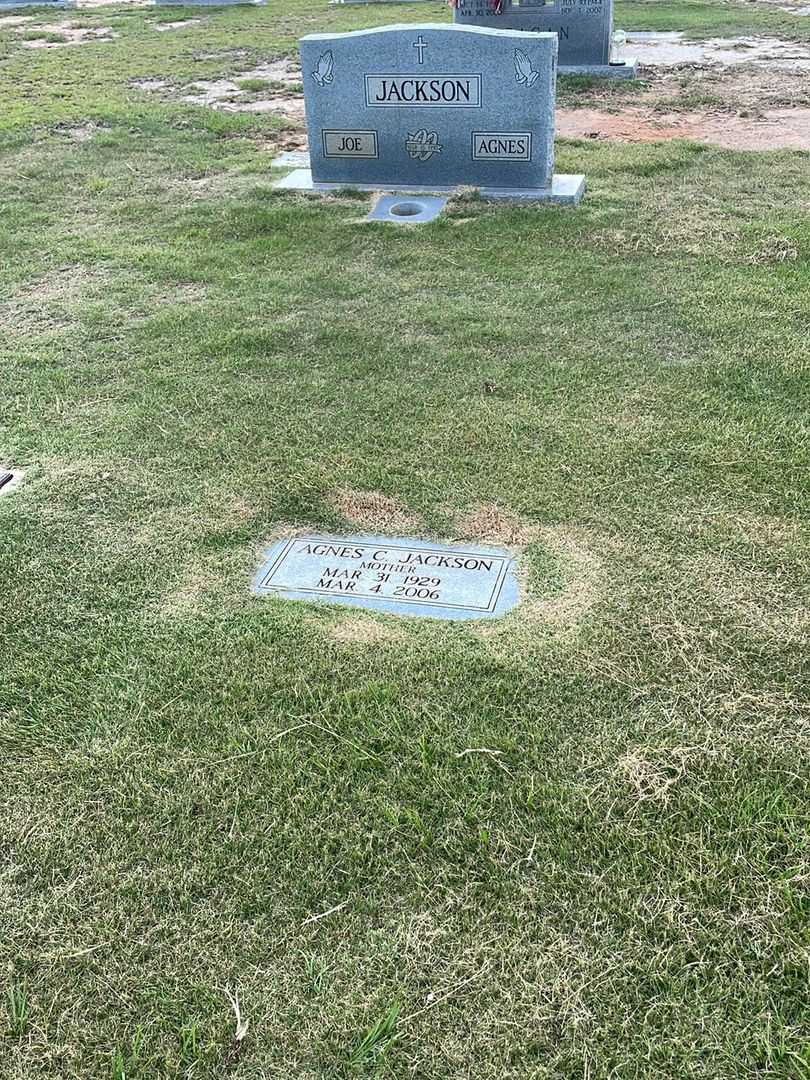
584 29
431 107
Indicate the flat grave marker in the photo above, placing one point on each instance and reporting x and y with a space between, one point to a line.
393 574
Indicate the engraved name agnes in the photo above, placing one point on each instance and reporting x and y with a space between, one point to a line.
425 91
501 145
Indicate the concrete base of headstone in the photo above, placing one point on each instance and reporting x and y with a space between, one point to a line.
408 211
565 190
627 69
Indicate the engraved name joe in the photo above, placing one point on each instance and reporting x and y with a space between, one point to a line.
501 145
424 91
349 144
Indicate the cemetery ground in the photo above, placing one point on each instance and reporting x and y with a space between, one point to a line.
257 838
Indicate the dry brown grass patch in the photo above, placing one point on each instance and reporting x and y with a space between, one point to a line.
583 571
774 250
767 530
186 598
64 283
53 300
761 602
652 773
492 524
374 511
560 613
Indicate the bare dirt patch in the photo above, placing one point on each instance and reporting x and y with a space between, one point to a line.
279 75
178 25
737 108
277 91
15 20
212 92
82 133
71 35
374 511
294 139
671 49
776 129
150 86
276 71
291 108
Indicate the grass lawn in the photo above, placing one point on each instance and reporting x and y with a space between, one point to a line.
572 843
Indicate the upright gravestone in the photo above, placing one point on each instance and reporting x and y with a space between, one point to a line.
429 108
584 27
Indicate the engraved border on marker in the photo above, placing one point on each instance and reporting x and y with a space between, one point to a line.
501 135
347 131
490 606
475 78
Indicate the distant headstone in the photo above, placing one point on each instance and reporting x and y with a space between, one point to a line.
584 28
209 3
401 576
430 107
10 5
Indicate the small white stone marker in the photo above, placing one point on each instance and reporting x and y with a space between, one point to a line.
8 480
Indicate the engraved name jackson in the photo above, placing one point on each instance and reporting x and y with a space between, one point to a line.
423 91
395 573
